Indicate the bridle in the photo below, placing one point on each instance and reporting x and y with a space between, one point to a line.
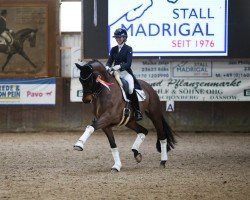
92 83
91 87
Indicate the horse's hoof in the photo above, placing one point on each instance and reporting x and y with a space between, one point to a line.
116 167
114 170
163 164
78 145
77 148
138 158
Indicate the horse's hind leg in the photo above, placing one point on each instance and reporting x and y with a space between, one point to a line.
22 53
156 118
114 150
141 134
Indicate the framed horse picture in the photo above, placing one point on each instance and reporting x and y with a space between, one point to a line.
24 38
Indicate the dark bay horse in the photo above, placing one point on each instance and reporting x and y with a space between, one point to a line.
103 91
17 47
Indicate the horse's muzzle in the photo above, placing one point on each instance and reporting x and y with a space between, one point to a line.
87 98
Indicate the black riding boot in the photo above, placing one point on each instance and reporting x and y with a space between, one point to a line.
135 104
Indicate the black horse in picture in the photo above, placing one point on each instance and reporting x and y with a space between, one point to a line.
17 47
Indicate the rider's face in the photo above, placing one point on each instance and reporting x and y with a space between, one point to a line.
120 40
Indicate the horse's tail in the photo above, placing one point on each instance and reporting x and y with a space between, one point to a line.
169 134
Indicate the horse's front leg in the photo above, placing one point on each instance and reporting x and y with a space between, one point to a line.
99 123
114 150
80 143
24 55
7 61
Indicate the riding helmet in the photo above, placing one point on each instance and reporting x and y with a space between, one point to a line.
120 32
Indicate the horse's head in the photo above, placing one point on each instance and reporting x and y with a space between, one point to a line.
89 83
32 38
27 34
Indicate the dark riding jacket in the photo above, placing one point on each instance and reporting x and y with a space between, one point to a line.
3 25
122 58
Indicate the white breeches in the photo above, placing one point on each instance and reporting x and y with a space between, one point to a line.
129 79
6 36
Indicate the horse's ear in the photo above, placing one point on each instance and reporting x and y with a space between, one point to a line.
78 66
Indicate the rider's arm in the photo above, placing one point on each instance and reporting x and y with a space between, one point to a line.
126 65
111 58
2 25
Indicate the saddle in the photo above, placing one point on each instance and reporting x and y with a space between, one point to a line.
125 91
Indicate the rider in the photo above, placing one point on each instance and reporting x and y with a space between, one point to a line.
4 31
121 56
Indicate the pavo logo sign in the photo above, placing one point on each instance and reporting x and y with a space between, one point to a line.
171 27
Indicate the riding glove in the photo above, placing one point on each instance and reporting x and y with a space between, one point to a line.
108 68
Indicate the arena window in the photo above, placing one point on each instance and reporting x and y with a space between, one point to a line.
70 19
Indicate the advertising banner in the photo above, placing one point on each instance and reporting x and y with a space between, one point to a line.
171 27
28 91
75 90
190 80
197 80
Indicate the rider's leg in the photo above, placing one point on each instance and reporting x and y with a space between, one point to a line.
135 102
6 36
133 97
7 40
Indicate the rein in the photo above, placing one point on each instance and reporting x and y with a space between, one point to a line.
96 93
96 89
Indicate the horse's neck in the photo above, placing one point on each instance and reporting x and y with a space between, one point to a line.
23 33
115 88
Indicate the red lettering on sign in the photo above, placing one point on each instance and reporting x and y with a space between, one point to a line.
34 94
181 43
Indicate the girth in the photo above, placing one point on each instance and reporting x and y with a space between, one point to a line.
125 115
